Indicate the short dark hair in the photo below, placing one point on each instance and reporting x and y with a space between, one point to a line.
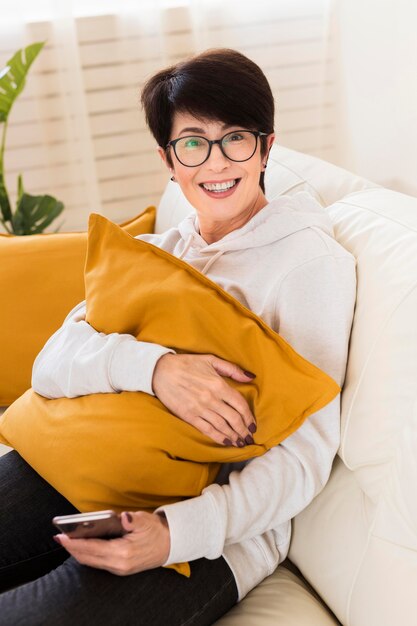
219 84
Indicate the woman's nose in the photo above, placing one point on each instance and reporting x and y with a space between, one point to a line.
217 160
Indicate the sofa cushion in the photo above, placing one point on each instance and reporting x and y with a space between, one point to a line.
41 279
379 227
358 536
288 172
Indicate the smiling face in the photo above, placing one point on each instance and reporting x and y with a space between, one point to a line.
219 211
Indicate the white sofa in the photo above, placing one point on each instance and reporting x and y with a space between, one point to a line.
356 543
353 553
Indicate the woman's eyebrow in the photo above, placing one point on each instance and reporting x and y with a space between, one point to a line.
191 129
194 129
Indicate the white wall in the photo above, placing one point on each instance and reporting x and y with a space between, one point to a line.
375 51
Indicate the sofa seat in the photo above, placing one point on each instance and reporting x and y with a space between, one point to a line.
282 599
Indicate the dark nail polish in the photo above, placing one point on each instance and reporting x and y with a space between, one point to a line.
252 427
227 442
129 518
248 440
240 443
57 539
249 374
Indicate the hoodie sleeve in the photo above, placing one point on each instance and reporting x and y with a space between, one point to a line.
77 361
314 311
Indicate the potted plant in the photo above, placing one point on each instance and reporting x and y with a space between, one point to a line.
33 213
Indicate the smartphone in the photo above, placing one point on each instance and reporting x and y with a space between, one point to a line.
99 524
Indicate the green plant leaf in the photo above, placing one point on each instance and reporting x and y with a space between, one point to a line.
4 201
34 213
20 188
12 76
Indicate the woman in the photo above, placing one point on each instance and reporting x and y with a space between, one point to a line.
212 117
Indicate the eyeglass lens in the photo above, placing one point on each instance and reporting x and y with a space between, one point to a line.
237 146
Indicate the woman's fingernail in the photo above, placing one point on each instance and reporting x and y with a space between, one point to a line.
252 427
57 539
249 374
227 442
248 440
129 518
240 443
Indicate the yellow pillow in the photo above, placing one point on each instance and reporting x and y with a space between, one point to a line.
125 450
41 280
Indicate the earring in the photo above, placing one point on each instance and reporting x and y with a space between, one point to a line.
173 179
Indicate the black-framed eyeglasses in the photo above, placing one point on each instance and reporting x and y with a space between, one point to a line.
193 150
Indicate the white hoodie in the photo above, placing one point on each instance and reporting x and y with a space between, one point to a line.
284 265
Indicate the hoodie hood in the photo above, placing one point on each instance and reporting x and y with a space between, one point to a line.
282 217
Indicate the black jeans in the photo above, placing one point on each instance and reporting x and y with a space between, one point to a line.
41 585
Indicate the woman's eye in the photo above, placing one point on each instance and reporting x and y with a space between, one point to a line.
235 137
194 142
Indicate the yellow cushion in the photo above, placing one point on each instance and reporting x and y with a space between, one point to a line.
41 280
126 451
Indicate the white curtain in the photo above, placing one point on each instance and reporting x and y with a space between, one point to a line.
77 131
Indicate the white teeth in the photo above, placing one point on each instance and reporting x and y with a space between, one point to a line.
219 186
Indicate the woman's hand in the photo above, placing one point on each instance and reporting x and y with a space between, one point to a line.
191 386
146 546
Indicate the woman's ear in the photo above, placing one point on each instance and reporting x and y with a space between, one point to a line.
163 156
271 139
